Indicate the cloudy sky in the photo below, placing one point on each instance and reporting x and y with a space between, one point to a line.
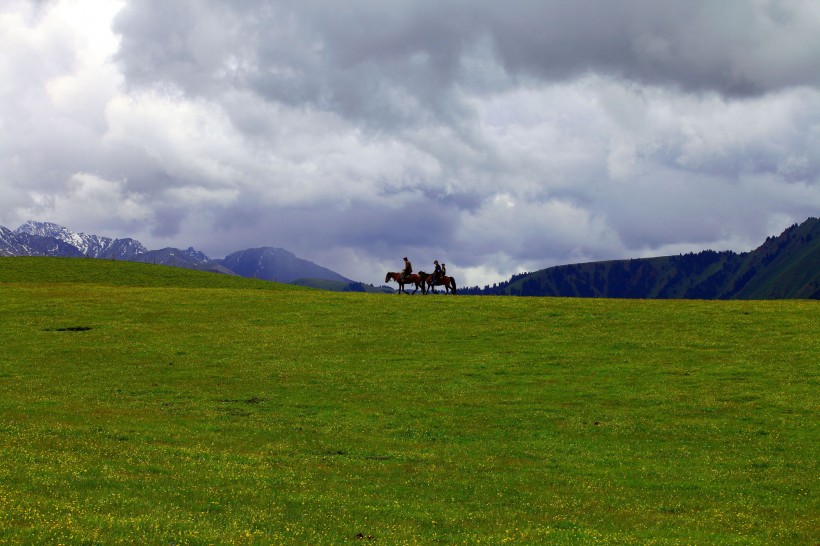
499 137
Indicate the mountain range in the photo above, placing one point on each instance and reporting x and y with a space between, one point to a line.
268 263
787 266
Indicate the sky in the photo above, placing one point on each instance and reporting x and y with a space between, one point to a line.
497 137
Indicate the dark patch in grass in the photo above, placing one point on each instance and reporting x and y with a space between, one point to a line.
69 329
239 412
735 376
254 400
362 536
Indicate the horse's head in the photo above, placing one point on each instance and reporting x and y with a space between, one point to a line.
388 276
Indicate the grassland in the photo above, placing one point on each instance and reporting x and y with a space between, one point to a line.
142 404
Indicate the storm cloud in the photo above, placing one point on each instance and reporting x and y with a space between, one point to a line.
498 137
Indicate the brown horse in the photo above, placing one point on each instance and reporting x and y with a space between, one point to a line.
449 283
412 278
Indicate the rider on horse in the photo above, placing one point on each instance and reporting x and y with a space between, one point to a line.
436 274
408 269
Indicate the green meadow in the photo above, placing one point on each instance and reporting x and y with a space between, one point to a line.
145 404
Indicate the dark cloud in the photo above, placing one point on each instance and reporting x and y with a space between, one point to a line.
369 59
733 47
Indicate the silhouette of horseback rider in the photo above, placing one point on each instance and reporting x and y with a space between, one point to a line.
436 274
408 269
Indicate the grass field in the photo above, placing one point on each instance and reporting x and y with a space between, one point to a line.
145 404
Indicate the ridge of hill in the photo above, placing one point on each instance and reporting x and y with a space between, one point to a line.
787 266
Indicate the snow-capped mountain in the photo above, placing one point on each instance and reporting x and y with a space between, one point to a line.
10 246
92 246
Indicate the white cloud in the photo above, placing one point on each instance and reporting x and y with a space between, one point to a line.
91 202
186 139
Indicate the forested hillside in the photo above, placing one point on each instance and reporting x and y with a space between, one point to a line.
787 266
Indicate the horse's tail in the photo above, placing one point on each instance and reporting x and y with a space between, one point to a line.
453 282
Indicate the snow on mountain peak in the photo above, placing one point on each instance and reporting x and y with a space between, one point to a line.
89 245
42 229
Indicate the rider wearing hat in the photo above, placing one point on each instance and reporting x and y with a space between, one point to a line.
408 269
437 273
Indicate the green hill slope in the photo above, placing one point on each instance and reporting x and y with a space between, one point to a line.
43 270
210 414
787 266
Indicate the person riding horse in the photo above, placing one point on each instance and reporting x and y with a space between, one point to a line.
408 269
437 273
440 278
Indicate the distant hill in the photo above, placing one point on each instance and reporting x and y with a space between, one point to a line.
175 257
276 264
787 266
272 264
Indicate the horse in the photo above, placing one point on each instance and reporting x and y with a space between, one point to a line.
412 278
449 283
